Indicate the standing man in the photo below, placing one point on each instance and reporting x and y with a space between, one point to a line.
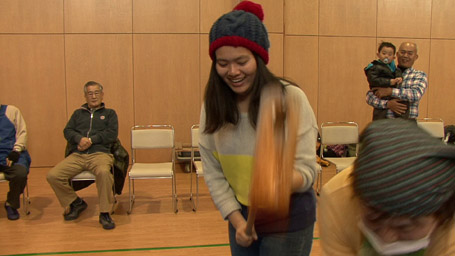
412 89
90 133
14 158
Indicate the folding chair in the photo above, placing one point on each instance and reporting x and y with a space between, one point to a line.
152 137
195 165
333 133
434 126
25 195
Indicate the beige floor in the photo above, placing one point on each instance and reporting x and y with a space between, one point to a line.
151 229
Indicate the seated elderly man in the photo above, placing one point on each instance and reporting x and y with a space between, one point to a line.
90 132
397 199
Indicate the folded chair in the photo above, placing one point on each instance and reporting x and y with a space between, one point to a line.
145 137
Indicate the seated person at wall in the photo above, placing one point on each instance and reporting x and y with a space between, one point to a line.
397 199
91 131
411 89
383 73
14 158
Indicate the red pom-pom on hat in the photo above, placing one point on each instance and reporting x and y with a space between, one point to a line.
251 7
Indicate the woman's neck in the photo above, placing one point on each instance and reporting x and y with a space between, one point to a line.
243 103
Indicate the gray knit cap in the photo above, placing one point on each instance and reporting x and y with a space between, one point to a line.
241 27
402 170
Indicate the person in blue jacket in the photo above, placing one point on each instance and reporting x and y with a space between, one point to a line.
14 158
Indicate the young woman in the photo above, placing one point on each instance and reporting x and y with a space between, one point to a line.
239 49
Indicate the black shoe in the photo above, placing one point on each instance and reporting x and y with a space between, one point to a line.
11 213
106 221
76 208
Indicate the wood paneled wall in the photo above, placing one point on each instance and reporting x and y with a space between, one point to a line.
151 56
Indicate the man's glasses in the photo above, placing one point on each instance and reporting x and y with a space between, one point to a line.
96 93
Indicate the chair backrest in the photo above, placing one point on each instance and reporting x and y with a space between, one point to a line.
195 136
434 126
333 133
339 133
152 137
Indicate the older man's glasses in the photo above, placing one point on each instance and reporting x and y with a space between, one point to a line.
96 93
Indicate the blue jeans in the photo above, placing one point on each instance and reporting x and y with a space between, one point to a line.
297 243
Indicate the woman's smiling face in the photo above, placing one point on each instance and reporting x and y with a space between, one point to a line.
237 67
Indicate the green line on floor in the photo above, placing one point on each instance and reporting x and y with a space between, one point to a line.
121 250
126 250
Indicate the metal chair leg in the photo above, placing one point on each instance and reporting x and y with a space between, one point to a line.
26 200
174 194
197 191
319 181
131 197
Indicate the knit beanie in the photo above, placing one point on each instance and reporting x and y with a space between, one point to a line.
241 27
402 170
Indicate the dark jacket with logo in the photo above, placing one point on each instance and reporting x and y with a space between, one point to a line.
100 125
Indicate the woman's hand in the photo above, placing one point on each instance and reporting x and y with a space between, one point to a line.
241 236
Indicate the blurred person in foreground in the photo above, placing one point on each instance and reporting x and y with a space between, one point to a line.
397 198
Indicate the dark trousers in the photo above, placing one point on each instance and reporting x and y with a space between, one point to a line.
17 177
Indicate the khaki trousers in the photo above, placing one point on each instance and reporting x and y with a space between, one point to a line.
99 164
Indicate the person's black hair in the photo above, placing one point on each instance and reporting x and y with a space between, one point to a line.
387 44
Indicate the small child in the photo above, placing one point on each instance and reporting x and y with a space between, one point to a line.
383 73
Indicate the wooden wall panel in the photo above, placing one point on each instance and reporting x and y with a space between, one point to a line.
106 59
166 81
273 15
441 91
164 16
98 16
347 18
300 66
206 64
404 18
32 77
301 17
442 19
276 54
342 82
211 10
134 65
30 16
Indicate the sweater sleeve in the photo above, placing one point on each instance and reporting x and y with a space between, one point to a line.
222 194
15 116
305 158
